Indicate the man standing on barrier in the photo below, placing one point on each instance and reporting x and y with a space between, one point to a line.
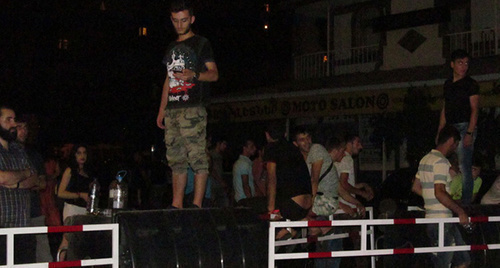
16 178
432 182
190 66
461 109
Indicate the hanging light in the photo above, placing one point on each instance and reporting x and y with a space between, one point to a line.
143 31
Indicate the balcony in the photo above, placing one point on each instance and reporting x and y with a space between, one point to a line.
336 62
479 44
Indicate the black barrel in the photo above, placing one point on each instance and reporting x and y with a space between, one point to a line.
192 238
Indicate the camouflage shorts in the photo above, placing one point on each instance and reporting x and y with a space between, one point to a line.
185 133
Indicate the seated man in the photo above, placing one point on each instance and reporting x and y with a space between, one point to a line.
348 183
289 183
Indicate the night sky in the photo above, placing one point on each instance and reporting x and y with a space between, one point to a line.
105 87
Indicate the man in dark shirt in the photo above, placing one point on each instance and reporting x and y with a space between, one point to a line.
190 66
461 109
37 218
289 182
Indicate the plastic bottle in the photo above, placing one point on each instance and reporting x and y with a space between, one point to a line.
93 202
118 192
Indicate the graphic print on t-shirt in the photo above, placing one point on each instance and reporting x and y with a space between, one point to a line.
182 57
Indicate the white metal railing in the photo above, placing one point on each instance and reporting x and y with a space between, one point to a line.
323 64
114 260
478 43
273 243
273 256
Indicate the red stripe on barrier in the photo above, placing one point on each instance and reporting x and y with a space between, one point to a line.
478 247
320 255
64 229
404 221
319 223
65 264
404 250
312 239
264 216
479 219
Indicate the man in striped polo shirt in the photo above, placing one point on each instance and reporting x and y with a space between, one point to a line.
432 182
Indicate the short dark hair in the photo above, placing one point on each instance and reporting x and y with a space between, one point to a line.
459 54
243 143
5 106
22 119
181 5
477 162
333 142
218 139
299 130
446 133
276 130
350 137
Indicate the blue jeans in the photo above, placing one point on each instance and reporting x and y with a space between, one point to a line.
465 155
330 245
451 234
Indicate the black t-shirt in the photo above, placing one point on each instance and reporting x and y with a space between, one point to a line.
191 54
457 99
292 175
78 184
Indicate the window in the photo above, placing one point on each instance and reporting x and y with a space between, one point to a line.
63 44
143 31
362 30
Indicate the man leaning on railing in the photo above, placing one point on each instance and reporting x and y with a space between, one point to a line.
432 182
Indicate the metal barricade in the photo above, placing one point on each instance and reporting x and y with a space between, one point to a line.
114 260
273 243
364 232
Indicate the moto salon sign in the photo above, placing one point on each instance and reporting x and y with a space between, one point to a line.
328 105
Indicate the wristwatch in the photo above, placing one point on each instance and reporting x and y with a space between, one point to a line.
196 75
468 133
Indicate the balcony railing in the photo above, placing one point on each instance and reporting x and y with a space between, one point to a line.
330 63
481 43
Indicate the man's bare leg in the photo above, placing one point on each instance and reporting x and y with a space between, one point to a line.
200 184
178 186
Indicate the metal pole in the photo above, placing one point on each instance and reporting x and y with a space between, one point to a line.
328 42
497 21
384 160
372 236
272 235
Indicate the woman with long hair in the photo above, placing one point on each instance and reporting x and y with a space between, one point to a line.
75 183
74 187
